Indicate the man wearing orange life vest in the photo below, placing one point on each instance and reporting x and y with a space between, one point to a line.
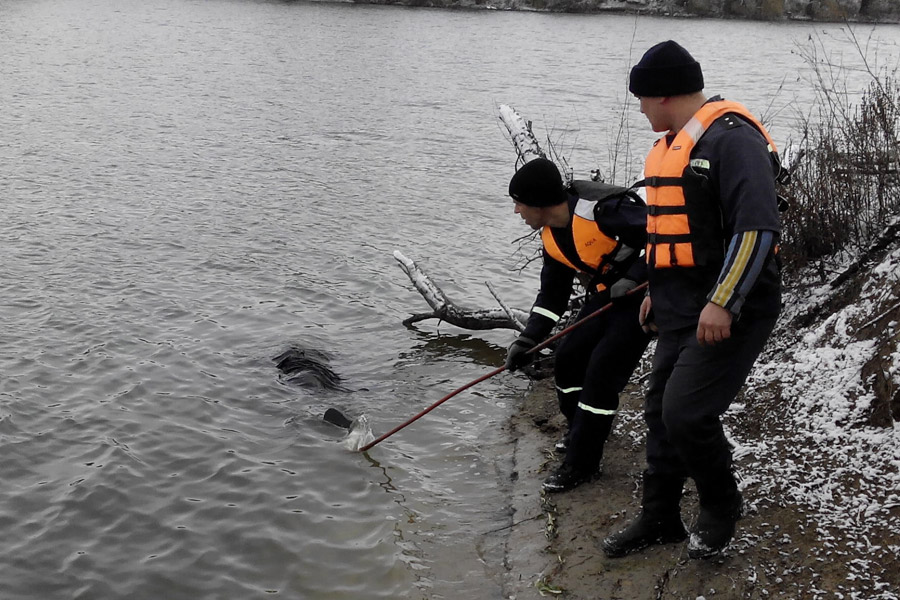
714 294
597 230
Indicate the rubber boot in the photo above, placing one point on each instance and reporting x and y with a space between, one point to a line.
568 477
658 523
587 436
720 508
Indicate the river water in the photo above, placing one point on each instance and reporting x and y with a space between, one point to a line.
191 187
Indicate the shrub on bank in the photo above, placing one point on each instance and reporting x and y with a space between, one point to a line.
845 186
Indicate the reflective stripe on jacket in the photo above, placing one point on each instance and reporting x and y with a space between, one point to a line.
684 226
595 250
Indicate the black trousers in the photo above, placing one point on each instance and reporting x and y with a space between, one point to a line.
691 386
593 365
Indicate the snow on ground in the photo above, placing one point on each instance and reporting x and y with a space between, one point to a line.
815 448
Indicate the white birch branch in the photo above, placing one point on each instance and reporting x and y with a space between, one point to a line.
520 134
445 310
509 312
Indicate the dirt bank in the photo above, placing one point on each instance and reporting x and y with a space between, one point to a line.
553 544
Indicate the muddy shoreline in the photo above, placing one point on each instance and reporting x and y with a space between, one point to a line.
553 540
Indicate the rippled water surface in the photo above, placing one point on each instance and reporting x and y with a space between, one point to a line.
190 188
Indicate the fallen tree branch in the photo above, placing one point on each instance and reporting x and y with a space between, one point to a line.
834 301
887 237
509 312
446 310
520 134
527 148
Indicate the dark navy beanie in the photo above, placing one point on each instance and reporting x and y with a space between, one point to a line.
537 183
666 69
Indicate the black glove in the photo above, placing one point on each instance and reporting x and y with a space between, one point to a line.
517 356
620 288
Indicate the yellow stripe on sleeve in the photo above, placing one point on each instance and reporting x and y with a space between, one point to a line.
725 290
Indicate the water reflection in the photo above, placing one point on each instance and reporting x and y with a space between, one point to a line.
431 347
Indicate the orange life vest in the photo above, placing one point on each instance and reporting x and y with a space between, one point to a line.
683 217
594 248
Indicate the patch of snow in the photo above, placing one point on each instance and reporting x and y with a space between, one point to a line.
823 457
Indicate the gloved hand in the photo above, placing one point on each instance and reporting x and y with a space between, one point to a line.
621 287
517 356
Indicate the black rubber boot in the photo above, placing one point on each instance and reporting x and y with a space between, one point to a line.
721 506
568 477
584 450
658 523
644 531
587 437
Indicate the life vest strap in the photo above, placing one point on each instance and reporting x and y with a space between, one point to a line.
655 181
655 209
668 238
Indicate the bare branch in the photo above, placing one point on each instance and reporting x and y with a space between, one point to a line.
512 317
520 134
446 310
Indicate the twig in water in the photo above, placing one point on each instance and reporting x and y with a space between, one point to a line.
511 525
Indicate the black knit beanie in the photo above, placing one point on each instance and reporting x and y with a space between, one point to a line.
666 69
537 183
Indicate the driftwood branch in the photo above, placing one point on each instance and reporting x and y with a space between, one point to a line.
520 134
445 310
527 148
509 312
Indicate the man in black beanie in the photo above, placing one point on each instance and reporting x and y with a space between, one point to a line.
596 231
714 294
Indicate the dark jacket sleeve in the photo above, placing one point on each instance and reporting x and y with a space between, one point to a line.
552 299
743 172
747 256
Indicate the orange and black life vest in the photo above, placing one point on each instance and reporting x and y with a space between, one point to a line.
594 250
684 223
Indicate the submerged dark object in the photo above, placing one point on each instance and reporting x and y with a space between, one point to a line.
308 367
336 417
